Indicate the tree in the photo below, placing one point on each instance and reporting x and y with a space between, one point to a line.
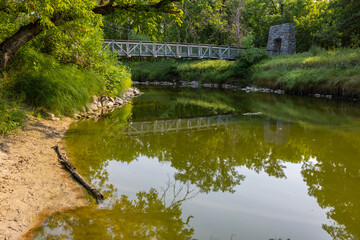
26 20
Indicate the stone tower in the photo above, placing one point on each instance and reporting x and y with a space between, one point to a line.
282 39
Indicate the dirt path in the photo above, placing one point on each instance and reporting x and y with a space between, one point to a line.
33 185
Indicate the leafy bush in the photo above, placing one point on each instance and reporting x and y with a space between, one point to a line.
247 59
116 77
248 40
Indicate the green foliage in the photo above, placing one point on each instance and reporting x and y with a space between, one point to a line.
248 40
48 84
247 59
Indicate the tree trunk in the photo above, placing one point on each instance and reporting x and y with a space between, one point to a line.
11 45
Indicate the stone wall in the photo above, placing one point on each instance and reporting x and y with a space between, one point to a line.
282 39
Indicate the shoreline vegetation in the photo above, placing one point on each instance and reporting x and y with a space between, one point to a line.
317 72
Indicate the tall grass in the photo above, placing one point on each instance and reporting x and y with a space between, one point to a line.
204 71
214 71
45 83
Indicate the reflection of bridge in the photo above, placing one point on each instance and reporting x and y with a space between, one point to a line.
172 50
175 125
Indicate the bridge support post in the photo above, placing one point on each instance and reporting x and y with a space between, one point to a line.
127 49
112 46
178 50
154 50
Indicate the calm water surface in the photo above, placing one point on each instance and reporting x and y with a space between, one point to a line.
186 164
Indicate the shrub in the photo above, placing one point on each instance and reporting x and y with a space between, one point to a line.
247 59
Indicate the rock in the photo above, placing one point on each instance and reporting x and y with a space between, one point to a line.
111 99
328 96
194 83
95 99
104 103
77 116
279 91
136 91
99 105
317 95
252 114
94 106
119 100
110 105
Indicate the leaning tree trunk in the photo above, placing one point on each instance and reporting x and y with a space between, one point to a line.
11 45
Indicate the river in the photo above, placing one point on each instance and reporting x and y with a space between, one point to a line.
179 163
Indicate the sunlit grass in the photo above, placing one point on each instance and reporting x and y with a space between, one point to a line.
332 72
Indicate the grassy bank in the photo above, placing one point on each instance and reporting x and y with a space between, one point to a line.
215 71
39 83
317 71
204 71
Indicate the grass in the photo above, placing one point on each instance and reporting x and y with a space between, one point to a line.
326 72
205 71
45 83
41 82
11 116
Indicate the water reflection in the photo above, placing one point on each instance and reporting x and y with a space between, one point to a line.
146 217
208 144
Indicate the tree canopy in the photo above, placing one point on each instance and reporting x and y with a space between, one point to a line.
24 20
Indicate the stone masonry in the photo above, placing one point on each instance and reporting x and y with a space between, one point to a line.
282 39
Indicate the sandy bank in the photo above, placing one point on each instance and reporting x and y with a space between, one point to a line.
33 185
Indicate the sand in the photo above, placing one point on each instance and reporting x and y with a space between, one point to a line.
33 185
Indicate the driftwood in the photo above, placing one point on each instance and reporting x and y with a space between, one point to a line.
62 159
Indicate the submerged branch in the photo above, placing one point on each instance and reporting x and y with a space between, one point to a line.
62 159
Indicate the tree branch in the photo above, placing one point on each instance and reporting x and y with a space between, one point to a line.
111 8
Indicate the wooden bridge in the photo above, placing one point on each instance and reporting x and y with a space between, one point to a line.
171 50
176 125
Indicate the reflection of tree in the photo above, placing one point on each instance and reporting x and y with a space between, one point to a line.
334 181
209 158
147 217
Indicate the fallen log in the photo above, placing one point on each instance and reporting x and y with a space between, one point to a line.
63 160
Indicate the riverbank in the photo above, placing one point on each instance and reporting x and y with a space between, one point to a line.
33 184
320 73
335 73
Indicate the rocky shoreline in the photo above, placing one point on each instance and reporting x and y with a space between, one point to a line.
248 89
102 105
197 84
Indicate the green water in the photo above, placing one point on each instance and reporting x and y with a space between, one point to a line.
186 164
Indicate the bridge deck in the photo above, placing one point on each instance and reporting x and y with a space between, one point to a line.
171 50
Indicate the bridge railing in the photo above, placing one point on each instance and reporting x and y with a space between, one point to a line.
171 50
176 125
